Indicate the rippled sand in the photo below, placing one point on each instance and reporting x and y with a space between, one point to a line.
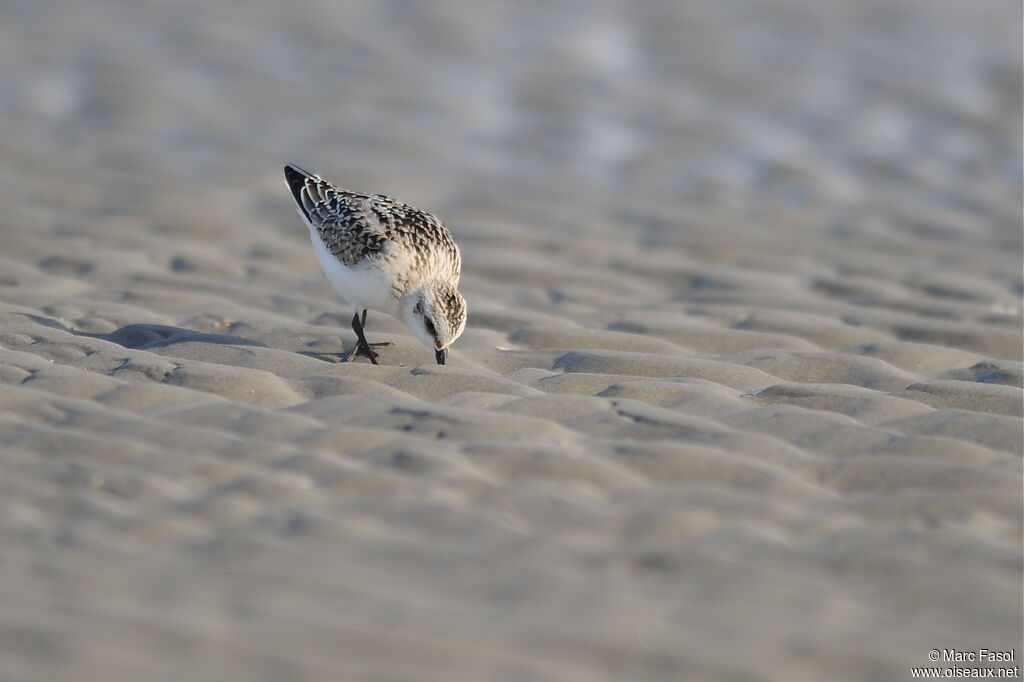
739 398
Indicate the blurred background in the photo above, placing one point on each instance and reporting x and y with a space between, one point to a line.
868 151
832 107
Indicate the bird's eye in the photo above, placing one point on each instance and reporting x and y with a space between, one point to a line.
430 327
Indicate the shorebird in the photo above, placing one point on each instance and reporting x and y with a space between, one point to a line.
383 255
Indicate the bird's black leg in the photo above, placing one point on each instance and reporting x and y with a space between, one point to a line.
362 346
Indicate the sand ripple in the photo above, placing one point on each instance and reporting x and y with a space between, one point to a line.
740 396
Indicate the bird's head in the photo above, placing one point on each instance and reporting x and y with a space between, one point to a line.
436 314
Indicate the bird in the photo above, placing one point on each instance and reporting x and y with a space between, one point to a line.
383 255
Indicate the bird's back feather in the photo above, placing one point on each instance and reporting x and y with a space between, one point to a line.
356 228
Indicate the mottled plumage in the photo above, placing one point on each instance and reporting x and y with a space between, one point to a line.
384 255
355 227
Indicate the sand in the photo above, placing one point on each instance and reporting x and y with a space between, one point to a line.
739 397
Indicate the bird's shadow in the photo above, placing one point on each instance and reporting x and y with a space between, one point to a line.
147 336
332 358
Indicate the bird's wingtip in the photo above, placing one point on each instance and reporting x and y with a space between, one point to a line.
290 170
295 177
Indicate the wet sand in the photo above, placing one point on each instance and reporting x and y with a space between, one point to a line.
739 397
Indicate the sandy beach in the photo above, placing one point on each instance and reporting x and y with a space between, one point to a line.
739 398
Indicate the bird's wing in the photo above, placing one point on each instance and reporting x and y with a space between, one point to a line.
347 223
356 226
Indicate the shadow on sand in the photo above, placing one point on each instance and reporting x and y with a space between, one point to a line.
146 336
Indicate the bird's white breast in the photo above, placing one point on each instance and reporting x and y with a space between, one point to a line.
361 286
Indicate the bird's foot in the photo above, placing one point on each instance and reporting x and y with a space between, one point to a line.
367 351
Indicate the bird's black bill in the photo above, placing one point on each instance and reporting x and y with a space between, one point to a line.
441 355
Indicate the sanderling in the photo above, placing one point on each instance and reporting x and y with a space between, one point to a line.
383 255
